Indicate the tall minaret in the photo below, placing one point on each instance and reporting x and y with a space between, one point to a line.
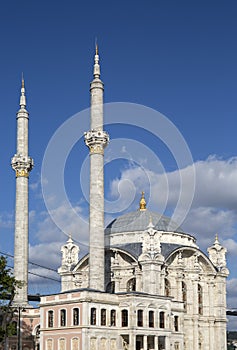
22 164
96 139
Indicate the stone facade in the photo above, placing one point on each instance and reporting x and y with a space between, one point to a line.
154 275
110 321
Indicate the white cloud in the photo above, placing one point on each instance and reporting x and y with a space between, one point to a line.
206 222
7 220
47 238
217 183
65 221
231 302
216 189
32 216
39 254
231 293
214 207
230 245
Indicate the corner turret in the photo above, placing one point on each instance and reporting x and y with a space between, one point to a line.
217 255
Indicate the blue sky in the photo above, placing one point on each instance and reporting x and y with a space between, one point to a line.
176 57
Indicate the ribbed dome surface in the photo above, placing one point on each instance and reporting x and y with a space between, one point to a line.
139 220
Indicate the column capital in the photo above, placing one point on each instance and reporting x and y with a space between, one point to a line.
22 165
96 141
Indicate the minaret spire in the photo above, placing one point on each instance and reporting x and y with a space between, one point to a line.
96 63
22 164
96 139
22 97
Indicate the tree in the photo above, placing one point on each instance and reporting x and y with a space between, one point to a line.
8 286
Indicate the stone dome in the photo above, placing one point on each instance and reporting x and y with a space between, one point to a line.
139 220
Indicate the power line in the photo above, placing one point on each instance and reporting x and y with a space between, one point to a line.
43 267
49 278
38 275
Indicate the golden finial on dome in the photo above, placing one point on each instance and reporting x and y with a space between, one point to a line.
143 202
216 238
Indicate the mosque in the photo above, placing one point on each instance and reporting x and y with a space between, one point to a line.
145 284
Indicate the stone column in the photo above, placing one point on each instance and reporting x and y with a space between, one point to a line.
145 342
156 342
22 164
167 343
96 139
132 341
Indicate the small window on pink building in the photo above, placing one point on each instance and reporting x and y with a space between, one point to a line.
93 316
76 315
50 318
63 318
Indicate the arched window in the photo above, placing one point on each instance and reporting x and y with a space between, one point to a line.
49 343
176 323
36 332
151 318
75 343
131 285
113 317
162 319
140 318
93 316
50 318
167 288
63 318
103 317
76 315
124 318
184 295
62 344
200 300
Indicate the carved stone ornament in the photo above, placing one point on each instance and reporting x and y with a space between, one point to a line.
22 165
96 140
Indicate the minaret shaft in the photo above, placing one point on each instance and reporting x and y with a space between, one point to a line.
96 279
21 239
97 105
22 136
96 139
22 164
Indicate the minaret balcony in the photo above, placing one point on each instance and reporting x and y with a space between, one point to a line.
96 140
22 165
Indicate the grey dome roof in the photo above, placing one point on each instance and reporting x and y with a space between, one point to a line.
139 220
